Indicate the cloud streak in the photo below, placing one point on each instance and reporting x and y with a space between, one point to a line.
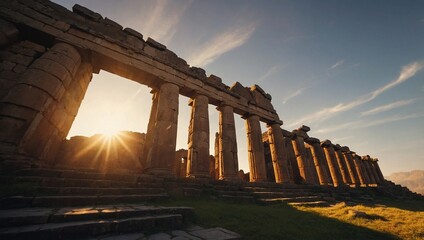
388 107
337 64
221 43
406 73
366 124
273 70
163 20
293 95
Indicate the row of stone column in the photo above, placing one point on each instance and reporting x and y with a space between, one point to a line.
296 157
162 132
324 163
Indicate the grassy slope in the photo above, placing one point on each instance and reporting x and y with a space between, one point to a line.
284 222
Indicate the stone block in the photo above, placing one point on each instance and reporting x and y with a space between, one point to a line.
85 12
9 30
63 60
55 69
20 68
27 96
345 149
111 23
43 80
326 143
7 65
12 129
135 43
36 47
304 128
62 26
242 91
199 73
155 44
68 51
16 58
17 112
134 33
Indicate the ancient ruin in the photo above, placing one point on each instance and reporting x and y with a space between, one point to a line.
49 55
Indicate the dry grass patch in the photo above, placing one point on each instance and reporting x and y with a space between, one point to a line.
403 219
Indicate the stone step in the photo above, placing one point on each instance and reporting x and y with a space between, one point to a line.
34 216
234 193
53 201
69 182
55 173
280 194
96 191
85 229
282 190
293 199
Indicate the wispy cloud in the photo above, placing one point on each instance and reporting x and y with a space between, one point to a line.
226 41
406 73
293 95
273 70
337 64
163 19
388 107
366 124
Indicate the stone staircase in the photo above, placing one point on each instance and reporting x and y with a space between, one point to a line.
82 203
63 187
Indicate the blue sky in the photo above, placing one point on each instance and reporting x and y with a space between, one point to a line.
351 70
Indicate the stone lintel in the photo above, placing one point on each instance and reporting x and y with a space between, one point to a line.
312 140
85 12
337 147
299 133
304 128
287 133
345 149
326 143
156 44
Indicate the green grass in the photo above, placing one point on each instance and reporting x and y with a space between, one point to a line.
404 219
254 221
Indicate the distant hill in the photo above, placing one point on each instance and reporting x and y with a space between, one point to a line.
414 180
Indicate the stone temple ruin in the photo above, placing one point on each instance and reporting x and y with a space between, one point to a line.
48 55
48 58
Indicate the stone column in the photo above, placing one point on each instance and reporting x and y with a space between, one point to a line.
359 171
255 148
320 162
374 170
332 162
363 170
305 163
40 106
228 160
350 166
291 156
198 142
161 154
342 164
379 173
150 130
366 163
217 167
280 162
